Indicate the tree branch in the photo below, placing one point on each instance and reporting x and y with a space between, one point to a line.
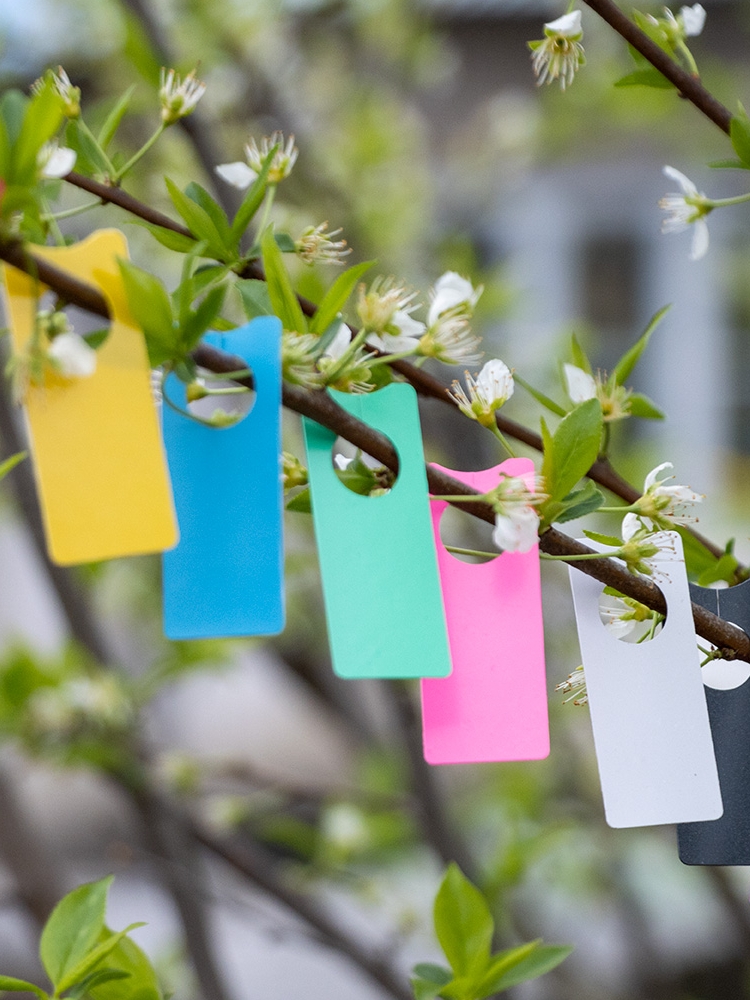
688 86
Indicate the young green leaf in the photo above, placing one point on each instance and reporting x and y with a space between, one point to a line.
597 536
575 446
151 309
641 406
463 924
91 157
203 318
428 980
200 223
98 978
698 559
724 569
629 360
114 118
301 503
580 502
168 237
539 396
541 960
337 296
500 966
283 299
213 209
739 133
89 962
73 928
578 355
141 982
255 298
548 455
12 985
11 463
729 165
252 200
647 77
42 120
284 242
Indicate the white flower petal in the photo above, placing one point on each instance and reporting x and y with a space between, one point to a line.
580 385
494 383
699 246
238 174
651 478
569 25
693 19
450 290
340 343
516 531
407 326
631 523
72 356
685 183
59 161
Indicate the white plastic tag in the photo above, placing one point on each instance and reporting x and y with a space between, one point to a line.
648 708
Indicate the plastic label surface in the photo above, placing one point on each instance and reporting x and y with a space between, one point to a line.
648 710
725 841
377 555
493 707
225 578
97 451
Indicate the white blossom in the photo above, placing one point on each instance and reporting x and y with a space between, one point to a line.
517 530
574 687
560 53
55 161
452 293
71 356
580 384
487 392
385 308
70 96
693 18
315 244
666 505
450 340
238 174
178 97
241 175
686 209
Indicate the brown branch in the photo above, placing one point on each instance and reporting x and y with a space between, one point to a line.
319 406
688 86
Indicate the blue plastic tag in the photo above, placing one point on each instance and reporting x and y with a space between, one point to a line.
225 577
377 554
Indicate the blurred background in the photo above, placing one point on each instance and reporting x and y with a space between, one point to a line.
322 834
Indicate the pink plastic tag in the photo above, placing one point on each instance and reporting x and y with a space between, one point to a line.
493 707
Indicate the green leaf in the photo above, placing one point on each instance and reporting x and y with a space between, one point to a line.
97 978
284 242
301 503
12 985
113 119
11 463
252 200
542 959
739 133
548 455
629 360
141 982
539 396
337 296
42 120
203 317
580 502
647 77
255 298
579 356
213 209
280 291
151 308
91 158
723 569
73 928
200 223
87 965
729 165
463 924
13 106
575 446
597 536
95 338
501 965
167 237
642 406
429 980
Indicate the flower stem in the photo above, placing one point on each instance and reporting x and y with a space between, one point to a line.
723 202
267 206
583 555
471 552
501 438
68 213
387 358
119 174
107 162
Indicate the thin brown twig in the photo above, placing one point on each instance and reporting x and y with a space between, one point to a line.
688 86
319 406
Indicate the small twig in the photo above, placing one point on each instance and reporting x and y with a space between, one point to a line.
689 86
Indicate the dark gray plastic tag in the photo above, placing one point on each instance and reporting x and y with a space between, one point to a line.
725 841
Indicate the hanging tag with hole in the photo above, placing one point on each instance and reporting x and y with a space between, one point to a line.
493 707
225 578
725 841
97 452
648 710
377 555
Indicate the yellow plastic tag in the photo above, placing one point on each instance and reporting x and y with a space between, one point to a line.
98 457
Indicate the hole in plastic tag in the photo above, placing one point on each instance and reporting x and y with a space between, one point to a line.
493 707
97 451
725 841
460 530
225 578
648 708
377 560
227 399
360 472
626 620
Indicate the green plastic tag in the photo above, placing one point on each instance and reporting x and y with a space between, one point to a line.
381 587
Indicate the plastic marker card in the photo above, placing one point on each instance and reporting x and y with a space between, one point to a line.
648 710
97 451
493 707
377 555
225 578
725 841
